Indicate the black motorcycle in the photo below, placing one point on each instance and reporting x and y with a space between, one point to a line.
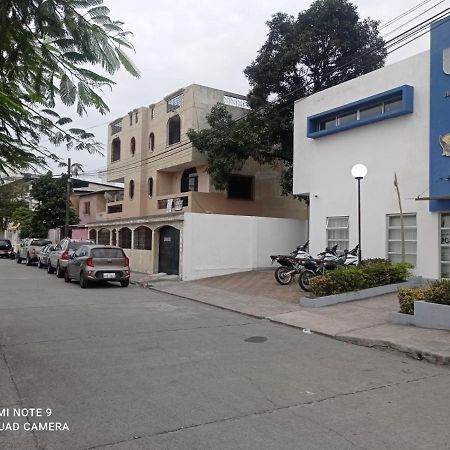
290 265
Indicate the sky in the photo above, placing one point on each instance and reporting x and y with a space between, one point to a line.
208 42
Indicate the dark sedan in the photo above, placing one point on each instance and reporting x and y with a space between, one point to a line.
6 249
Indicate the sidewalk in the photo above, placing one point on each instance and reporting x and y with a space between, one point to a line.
364 322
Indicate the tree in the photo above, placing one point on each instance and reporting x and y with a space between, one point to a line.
11 199
48 52
324 46
50 210
21 218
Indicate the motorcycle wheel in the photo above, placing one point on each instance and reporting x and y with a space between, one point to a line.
303 280
283 276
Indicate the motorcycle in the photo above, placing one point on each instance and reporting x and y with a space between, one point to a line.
290 265
329 261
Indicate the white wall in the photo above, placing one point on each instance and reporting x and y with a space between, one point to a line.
322 166
215 244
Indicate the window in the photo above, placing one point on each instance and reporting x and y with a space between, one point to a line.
152 113
240 187
87 208
143 238
133 146
93 235
130 116
385 105
189 180
175 102
394 238
114 208
445 245
125 238
136 117
107 253
131 189
115 149
114 237
103 237
151 142
174 130
150 187
116 126
337 232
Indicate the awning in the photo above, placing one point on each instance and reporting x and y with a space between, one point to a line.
436 197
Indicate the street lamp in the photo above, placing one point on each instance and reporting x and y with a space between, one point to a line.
359 171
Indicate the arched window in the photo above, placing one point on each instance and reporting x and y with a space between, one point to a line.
189 180
150 187
131 189
133 146
151 142
114 237
174 130
125 238
143 238
103 236
115 149
93 235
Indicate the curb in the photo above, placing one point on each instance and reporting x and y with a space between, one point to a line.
414 353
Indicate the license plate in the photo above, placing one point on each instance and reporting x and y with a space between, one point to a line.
109 275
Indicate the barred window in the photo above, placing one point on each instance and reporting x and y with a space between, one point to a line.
125 237
103 236
143 238
394 238
93 235
338 232
175 102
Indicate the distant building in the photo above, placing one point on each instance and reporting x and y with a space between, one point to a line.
165 179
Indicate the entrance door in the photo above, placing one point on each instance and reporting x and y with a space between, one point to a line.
169 250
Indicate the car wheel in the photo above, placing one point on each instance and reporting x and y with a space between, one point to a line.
49 268
66 277
39 264
125 283
28 260
83 281
59 271
19 260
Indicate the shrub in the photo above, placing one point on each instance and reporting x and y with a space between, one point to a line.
439 292
407 297
376 273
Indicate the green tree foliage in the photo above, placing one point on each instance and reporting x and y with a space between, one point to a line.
50 196
49 50
11 199
21 218
324 46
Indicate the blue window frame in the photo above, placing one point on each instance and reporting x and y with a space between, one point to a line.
386 105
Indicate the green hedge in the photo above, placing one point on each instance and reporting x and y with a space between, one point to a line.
374 273
436 292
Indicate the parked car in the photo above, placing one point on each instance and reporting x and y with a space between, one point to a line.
6 248
29 250
96 263
44 255
58 258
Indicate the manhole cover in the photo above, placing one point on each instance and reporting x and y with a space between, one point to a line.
256 339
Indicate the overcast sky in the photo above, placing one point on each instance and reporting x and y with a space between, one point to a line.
207 42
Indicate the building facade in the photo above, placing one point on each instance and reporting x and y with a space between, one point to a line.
395 120
164 177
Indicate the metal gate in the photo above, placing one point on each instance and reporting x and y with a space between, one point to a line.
169 250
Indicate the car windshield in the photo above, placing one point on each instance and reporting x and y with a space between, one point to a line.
73 245
5 242
40 242
107 253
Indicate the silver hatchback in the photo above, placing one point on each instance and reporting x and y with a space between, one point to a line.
95 263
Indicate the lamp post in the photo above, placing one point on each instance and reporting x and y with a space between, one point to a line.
359 171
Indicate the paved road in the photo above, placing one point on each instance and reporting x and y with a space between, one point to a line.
134 369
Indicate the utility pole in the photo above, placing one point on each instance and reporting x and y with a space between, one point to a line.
68 190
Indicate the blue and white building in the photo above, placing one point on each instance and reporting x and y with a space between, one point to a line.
392 120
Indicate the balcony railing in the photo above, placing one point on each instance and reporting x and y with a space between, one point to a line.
116 126
113 197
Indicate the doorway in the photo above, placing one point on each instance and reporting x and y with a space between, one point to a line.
169 250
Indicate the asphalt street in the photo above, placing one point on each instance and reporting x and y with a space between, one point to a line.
129 368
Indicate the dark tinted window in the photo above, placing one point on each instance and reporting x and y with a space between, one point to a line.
5 242
240 187
107 253
78 244
40 242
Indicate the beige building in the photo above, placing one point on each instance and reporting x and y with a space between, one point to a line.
165 177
